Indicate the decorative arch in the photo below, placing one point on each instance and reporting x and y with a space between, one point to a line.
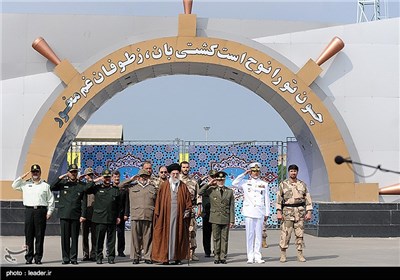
287 92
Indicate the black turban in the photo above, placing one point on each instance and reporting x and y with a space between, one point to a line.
174 166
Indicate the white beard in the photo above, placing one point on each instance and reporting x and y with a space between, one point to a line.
173 181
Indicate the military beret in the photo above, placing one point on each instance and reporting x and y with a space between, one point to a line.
35 167
174 166
106 173
73 167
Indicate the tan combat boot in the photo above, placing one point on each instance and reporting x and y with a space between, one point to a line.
264 243
193 257
300 256
283 256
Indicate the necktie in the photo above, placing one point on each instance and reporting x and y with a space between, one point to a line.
221 191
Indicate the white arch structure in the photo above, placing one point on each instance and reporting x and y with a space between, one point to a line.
350 109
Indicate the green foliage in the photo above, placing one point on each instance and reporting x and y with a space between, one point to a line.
282 172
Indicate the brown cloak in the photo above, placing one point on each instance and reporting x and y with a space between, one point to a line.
161 223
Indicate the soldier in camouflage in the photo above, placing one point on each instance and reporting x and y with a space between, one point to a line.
193 187
293 205
162 176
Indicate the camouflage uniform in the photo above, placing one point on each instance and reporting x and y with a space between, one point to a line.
193 187
157 181
264 234
297 195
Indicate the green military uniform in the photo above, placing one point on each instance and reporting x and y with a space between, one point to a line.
70 210
222 214
106 210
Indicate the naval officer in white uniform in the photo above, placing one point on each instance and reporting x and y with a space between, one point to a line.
255 209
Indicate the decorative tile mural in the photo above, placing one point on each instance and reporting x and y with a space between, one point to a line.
231 158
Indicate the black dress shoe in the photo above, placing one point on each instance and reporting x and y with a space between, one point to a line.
222 261
217 261
86 259
165 263
65 262
148 261
122 255
111 262
207 256
99 262
28 262
38 262
177 262
92 259
135 261
74 262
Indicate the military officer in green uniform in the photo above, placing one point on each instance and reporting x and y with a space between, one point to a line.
70 211
222 214
106 209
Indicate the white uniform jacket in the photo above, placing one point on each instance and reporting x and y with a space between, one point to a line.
255 196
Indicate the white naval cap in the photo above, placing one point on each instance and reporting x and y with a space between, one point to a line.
255 165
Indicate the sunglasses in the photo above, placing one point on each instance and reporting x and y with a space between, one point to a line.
35 171
257 170
163 172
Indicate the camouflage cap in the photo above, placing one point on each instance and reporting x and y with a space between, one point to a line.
106 173
143 172
35 167
73 167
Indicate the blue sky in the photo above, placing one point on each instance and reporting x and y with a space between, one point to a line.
232 112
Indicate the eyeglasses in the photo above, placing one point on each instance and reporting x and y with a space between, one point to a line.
162 172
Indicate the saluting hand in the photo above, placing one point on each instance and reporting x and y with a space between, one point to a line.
26 174
63 176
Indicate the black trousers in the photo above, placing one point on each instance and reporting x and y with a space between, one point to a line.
35 227
101 231
69 239
207 230
121 236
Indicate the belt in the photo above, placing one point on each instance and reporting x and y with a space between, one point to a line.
294 205
36 207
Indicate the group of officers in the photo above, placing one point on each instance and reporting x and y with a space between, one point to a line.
162 211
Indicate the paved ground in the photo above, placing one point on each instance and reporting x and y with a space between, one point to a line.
320 252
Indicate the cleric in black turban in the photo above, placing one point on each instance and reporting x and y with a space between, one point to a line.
174 166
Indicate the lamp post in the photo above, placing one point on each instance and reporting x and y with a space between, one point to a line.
206 129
